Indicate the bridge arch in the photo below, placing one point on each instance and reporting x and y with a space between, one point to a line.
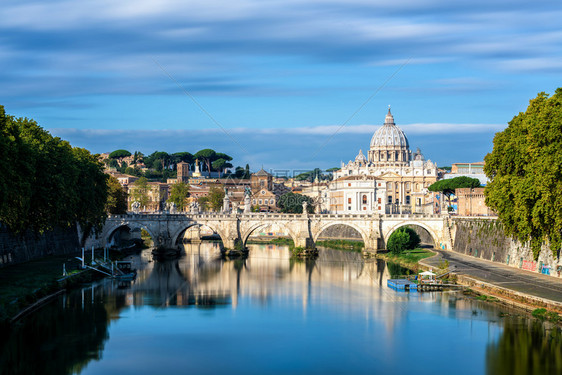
132 225
410 223
364 236
248 232
175 236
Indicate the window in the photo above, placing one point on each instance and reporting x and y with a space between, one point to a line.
407 186
262 183
396 155
407 199
260 201
379 208
349 208
364 208
349 184
390 199
348 200
364 199
379 201
254 201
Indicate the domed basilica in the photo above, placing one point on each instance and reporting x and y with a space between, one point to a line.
402 177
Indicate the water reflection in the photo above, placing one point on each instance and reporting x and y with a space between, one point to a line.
331 315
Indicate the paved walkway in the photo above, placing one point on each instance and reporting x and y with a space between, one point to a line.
532 283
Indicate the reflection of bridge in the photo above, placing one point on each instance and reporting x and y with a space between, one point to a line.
166 229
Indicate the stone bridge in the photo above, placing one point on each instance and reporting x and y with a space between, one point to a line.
167 230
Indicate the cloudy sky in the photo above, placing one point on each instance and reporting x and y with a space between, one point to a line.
284 84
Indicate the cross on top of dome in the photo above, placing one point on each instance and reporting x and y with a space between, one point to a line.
389 119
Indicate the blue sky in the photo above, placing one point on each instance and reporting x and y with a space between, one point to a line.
278 77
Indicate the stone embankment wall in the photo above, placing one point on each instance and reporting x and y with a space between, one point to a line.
485 238
16 249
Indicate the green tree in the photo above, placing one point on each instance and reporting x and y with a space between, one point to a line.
216 196
525 172
185 157
448 186
398 241
207 156
247 173
218 165
292 203
119 154
178 195
404 238
213 200
45 182
140 191
117 197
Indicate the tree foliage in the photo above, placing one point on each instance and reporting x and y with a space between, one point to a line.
178 195
449 185
44 182
207 156
213 200
140 191
117 197
292 203
119 154
404 238
525 172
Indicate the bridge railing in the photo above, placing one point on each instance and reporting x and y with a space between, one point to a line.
272 216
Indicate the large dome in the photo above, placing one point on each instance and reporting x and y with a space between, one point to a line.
389 135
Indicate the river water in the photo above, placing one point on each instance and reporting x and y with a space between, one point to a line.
267 314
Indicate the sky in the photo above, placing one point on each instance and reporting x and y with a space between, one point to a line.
287 85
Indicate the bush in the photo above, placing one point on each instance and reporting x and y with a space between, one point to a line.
403 239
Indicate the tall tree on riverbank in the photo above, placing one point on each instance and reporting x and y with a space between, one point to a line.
139 192
44 182
525 172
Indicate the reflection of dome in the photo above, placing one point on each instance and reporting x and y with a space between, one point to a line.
389 134
360 158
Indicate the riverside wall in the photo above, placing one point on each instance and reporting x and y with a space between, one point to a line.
485 238
17 249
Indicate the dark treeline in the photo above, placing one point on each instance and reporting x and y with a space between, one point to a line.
45 182
163 165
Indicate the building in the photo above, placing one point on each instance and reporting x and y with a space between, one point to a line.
473 170
357 194
407 176
183 172
472 202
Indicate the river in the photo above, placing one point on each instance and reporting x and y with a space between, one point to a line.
268 314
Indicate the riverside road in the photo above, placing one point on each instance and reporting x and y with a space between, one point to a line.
531 283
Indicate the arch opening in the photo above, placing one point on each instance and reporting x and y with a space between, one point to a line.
196 233
269 233
130 236
427 237
341 236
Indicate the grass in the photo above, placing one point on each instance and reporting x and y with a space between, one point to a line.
342 244
410 256
544 314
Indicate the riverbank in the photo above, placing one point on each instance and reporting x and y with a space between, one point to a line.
510 286
24 285
408 258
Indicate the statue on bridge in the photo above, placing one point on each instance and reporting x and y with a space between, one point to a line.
136 206
247 200
304 207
